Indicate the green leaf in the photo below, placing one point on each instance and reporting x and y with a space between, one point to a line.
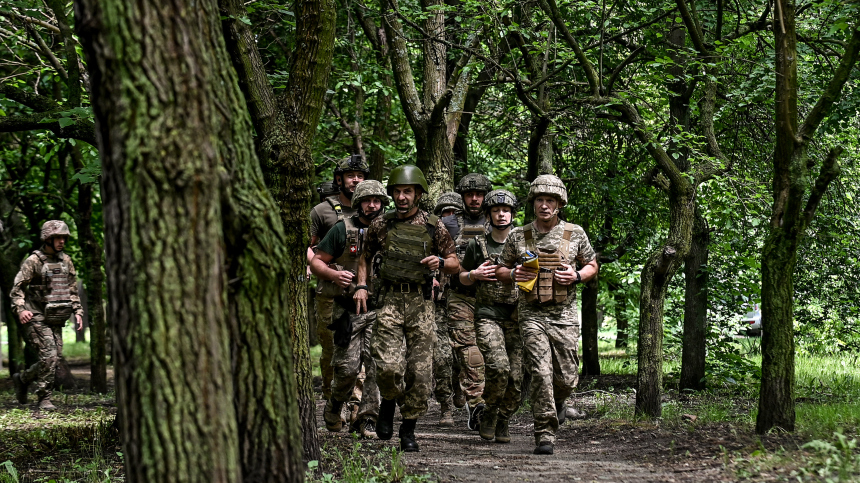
66 121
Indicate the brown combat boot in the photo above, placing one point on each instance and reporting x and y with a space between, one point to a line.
331 415
503 435
20 388
446 416
488 423
45 404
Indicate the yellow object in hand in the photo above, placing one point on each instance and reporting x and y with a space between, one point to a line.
531 262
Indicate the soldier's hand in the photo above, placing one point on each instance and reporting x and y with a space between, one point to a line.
25 316
565 275
432 262
360 298
523 274
487 271
79 322
344 278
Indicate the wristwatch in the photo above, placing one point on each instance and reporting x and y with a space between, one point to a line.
441 262
578 277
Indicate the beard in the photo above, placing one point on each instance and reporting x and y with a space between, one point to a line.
346 192
407 208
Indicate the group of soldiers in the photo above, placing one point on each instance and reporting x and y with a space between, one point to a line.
458 303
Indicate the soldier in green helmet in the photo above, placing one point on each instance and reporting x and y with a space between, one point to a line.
461 298
336 264
44 295
407 244
348 173
549 322
496 321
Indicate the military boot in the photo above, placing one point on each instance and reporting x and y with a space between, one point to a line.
45 404
488 423
459 397
331 415
446 413
407 436
385 423
503 435
561 408
544 447
20 388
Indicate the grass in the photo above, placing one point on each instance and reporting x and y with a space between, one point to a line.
356 464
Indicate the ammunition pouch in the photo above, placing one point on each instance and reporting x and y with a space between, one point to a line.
57 313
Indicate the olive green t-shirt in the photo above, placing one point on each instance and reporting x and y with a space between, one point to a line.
334 242
324 217
472 260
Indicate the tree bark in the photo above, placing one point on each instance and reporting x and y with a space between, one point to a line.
695 307
621 320
590 326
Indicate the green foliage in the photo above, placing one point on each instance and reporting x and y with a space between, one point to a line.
360 464
839 459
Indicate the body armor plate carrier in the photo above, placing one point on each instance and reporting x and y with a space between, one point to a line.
334 201
348 260
405 246
547 289
467 232
55 289
491 293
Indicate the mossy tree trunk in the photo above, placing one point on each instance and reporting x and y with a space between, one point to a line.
286 126
590 326
791 216
196 253
695 307
621 321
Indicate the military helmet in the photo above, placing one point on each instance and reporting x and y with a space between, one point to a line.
54 228
406 174
547 184
500 198
369 188
449 200
353 162
326 189
474 182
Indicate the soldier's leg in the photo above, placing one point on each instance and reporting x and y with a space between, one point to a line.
513 392
420 332
461 329
324 308
537 359
491 342
369 407
48 342
387 347
564 340
443 359
346 363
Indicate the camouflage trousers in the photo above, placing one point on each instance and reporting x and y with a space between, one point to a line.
461 329
443 359
347 361
502 347
550 355
324 307
48 342
405 376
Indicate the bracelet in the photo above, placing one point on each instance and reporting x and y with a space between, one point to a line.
441 262
361 287
469 276
514 274
578 277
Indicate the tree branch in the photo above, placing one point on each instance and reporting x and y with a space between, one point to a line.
34 101
82 129
709 170
46 51
692 27
401 67
551 9
31 20
74 79
830 170
617 71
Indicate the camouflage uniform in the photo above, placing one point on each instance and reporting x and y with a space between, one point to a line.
29 293
404 315
347 361
443 359
550 330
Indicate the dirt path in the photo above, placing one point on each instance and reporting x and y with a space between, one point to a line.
585 451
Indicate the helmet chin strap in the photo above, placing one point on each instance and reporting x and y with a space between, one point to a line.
372 215
501 227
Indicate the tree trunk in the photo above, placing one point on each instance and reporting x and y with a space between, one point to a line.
621 320
656 275
590 326
94 280
695 307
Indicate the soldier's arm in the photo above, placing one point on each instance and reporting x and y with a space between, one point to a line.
360 296
73 291
22 279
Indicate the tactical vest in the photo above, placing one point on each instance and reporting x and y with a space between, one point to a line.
334 201
467 232
490 293
546 289
348 260
54 289
405 246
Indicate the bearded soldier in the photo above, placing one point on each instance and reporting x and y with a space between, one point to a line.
44 296
498 332
549 322
336 264
443 360
348 173
461 298
407 244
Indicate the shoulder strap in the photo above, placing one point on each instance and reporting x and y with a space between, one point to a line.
41 256
528 234
336 206
481 240
565 240
432 221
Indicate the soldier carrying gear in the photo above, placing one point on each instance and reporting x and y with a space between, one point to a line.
336 263
412 243
326 189
464 227
44 296
354 162
549 322
497 330
448 204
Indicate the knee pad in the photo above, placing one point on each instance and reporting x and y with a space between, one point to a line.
474 357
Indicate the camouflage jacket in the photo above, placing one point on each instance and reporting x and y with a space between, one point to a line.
27 297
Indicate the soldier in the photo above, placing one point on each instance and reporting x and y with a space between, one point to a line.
326 189
461 299
407 244
45 295
549 322
498 332
348 173
443 360
336 264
